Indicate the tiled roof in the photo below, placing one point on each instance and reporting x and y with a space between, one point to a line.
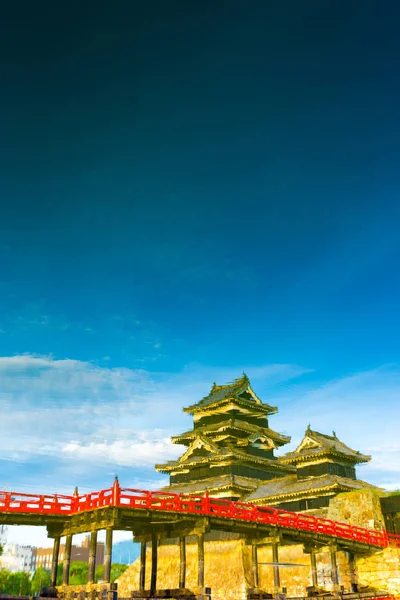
324 444
231 390
290 485
228 453
224 481
233 424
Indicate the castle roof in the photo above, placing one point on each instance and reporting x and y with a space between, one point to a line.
217 455
231 425
290 487
214 484
239 390
315 444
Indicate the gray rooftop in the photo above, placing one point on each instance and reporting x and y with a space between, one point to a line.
292 485
323 444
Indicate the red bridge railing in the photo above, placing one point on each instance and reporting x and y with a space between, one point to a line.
13 502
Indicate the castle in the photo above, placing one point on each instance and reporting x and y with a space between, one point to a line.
230 453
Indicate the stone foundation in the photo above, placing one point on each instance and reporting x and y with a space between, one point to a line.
381 570
228 569
361 508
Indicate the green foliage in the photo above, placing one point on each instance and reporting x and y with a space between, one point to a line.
15 584
116 570
395 493
59 573
1 549
78 572
40 580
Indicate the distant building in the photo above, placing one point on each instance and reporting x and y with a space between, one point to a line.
42 557
17 558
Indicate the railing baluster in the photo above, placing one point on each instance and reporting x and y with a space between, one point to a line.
141 499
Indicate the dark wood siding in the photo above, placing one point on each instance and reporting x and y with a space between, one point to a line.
324 468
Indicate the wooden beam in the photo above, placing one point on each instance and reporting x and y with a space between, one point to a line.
352 572
182 561
314 570
108 555
67 559
142 571
92 556
200 560
54 561
275 559
154 544
254 564
334 568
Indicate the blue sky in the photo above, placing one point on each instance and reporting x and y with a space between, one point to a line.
185 194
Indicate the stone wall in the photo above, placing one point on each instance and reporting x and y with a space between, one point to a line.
361 507
228 562
228 569
381 570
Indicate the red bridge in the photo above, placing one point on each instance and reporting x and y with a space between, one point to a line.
42 504
154 515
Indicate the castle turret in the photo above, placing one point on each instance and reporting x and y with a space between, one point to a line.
230 449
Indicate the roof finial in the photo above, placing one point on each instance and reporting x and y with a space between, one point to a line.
76 493
308 428
334 434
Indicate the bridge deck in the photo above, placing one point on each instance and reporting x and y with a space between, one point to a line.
136 510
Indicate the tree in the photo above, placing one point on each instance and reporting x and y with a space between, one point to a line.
15 584
78 572
116 570
59 573
4 580
40 580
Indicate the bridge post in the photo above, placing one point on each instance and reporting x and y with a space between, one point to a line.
352 570
275 559
312 551
154 544
254 564
92 556
334 568
182 561
67 559
54 561
142 571
108 555
200 560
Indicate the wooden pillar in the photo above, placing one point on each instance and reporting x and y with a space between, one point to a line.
352 570
108 555
142 571
92 556
275 558
200 560
67 559
182 562
153 581
314 572
254 564
54 561
334 569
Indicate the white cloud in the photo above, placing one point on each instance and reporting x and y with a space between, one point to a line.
87 412
90 419
94 416
144 452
